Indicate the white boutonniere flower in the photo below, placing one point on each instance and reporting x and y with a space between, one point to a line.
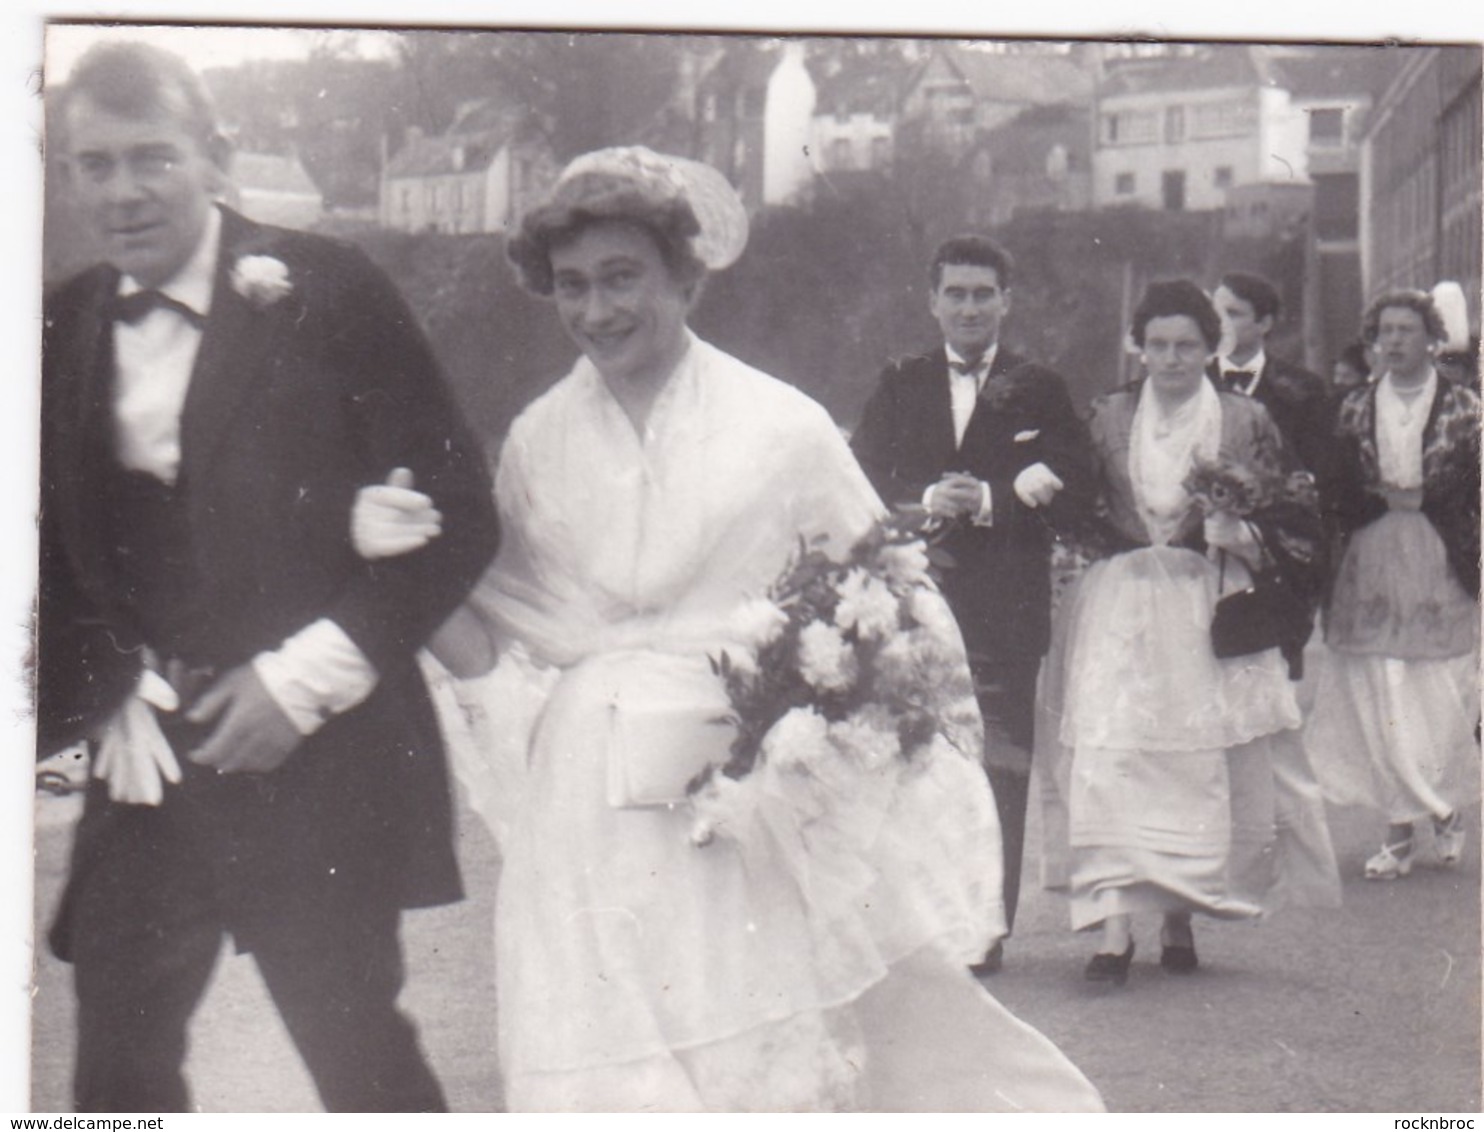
1027 435
261 279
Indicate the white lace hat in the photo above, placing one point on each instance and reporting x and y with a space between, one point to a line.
717 207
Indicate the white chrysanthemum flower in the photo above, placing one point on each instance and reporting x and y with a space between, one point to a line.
797 741
899 665
261 279
826 659
906 564
931 612
867 605
758 622
867 737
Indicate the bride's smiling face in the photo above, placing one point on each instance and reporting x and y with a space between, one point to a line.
619 301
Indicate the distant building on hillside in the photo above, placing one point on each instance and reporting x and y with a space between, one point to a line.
1179 132
477 176
755 105
273 188
960 92
855 118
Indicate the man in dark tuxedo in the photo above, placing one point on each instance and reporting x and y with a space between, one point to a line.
990 444
1300 404
266 761
1297 400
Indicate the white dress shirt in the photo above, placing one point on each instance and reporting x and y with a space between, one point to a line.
963 396
1253 365
319 671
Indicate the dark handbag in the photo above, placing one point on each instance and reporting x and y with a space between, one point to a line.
1266 615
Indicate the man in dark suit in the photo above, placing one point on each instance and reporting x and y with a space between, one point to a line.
266 761
1299 403
1297 400
988 443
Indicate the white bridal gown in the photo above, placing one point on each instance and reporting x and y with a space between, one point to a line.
813 962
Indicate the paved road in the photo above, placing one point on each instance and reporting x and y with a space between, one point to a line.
1375 1007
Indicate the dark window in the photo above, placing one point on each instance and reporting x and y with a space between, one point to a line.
1123 184
1222 177
1172 189
1327 126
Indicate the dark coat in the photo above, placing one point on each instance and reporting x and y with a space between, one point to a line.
293 405
999 585
1299 403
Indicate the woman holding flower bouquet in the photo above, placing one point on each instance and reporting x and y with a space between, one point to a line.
771 913
1157 748
1398 695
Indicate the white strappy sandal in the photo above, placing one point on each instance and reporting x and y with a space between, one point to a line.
1393 861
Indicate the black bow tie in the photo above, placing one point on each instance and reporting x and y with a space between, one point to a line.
133 308
1238 380
973 369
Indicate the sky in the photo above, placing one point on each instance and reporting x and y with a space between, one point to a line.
21 49
206 47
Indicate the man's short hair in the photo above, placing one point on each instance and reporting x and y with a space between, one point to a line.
972 251
139 80
1256 291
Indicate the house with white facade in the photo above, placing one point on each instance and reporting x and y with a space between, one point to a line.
855 118
478 176
1179 133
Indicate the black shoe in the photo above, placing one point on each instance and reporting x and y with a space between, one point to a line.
993 960
1178 959
1106 968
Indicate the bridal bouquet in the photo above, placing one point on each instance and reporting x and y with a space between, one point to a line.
852 665
1222 485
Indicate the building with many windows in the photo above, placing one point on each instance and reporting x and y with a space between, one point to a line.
1420 183
1177 133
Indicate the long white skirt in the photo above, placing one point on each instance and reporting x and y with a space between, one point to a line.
785 970
1397 694
1171 780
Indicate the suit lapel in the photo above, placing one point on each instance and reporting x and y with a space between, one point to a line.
939 403
984 415
87 423
233 347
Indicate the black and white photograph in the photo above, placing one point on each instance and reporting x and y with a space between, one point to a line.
784 569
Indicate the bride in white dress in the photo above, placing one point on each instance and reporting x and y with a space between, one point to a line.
645 500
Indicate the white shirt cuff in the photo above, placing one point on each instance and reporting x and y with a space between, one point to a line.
316 674
985 515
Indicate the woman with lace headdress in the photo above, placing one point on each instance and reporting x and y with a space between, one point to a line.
1397 698
809 960
1155 753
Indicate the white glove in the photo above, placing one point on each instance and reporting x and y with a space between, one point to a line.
1037 485
134 757
391 519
